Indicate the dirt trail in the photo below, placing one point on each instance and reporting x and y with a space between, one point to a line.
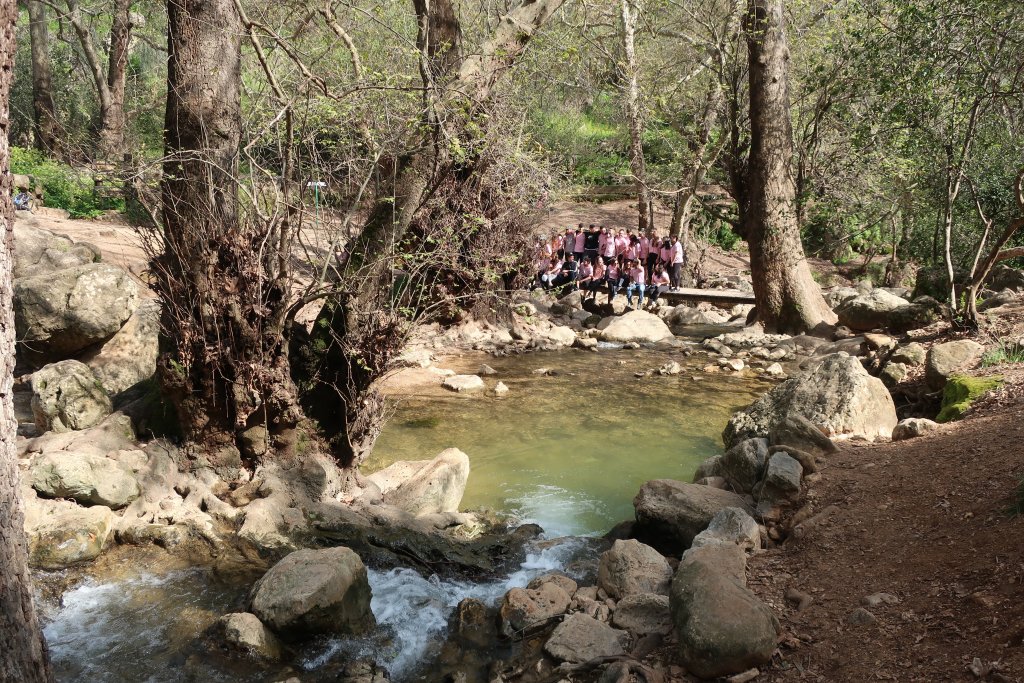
924 520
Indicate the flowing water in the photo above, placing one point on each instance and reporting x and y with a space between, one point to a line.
568 452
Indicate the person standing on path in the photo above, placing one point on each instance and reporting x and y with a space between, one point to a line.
678 255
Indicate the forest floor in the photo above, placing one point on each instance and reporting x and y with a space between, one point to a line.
928 521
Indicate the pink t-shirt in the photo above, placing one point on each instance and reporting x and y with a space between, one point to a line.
608 246
645 247
636 275
580 241
613 271
621 242
677 252
586 270
666 254
631 251
599 270
661 278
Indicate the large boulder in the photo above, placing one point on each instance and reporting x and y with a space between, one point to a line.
525 608
630 567
837 395
722 627
129 357
66 396
634 326
61 313
581 638
743 464
75 535
731 526
38 251
880 309
425 486
670 513
948 359
315 591
85 477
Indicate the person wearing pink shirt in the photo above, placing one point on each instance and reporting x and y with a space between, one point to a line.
678 256
645 250
665 252
621 242
607 247
660 282
636 283
612 276
596 278
577 247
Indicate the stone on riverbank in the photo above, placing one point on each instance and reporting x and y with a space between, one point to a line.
38 251
799 432
86 477
315 591
634 326
743 464
722 627
425 486
525 608
837 395
129 357
643 613
670 513
67 396
913 427
246 633
630 567
461 383
731 526
70 537
880 309
581 638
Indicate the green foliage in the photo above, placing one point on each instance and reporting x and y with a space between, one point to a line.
1016 507
961 391
63 186
1005 352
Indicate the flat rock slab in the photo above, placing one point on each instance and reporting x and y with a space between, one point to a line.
581 638
460 383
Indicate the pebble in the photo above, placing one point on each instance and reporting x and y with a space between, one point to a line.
500 389
861 617
878 599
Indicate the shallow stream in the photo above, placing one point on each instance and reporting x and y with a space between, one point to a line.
567 451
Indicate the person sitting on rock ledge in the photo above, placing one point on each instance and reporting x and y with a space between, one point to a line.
660 282
636 283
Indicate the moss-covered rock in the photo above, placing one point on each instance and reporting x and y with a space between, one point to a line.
961 391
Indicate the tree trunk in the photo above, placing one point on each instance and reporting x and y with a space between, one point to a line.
634 112
47 127
23 655
112 120
787 298
224 357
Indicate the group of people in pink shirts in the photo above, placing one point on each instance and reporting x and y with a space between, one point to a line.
597 259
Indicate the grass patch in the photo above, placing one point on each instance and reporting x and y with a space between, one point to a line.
961 391
1005 352
64 187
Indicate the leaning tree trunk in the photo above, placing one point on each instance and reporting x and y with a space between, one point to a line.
112 119
224 356
47 127
787 298
23 656
634 112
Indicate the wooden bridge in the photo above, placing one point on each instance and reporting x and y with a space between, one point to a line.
715 296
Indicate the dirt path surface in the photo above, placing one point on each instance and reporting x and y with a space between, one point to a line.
923 520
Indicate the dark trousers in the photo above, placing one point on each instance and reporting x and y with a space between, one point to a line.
676 274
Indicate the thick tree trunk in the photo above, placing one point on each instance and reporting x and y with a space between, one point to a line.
787 298
112 119
224 356
47 126
634 112
23 656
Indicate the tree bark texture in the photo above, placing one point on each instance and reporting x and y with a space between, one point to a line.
787 298
44 111
634 112
23 656
224 356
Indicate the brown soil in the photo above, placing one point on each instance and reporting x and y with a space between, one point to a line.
925 520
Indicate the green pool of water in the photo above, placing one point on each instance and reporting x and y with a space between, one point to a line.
570 451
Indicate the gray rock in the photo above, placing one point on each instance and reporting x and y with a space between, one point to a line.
913 427
630 567
893 373
486 370
61 313
731 526
38 251
581 638
861 617
634 326
525 608
711 467
460 383
670 513
425 486
67 396
913 354
837 394
722 627
246 633
129 357
70 537
799 432
880 309
1004 277
643 613
781 479
743 464
87 478
671 368
948 359
315 591
879 599
500 389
